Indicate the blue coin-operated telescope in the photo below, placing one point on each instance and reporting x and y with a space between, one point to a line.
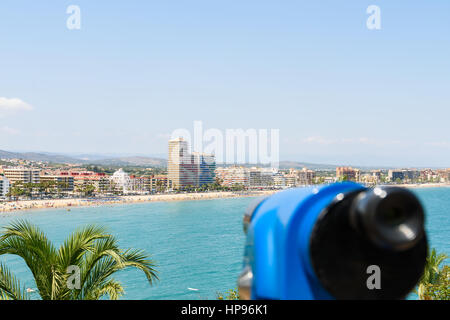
341 241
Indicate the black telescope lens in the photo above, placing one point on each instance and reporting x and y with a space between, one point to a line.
391 217
382 227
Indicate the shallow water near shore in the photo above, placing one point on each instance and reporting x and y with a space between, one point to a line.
197 244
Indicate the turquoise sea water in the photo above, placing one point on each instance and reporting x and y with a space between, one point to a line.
197 244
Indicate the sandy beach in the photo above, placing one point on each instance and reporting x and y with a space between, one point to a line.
423 185
68 203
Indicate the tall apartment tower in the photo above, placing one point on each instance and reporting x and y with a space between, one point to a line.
204 168
186 169
178 158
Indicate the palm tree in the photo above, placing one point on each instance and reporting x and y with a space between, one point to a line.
90 249
431 274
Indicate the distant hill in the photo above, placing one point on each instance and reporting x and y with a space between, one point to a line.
35 156
6 155
143 161
132 161
85 159
300 165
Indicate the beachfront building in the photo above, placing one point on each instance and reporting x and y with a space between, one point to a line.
83 179
233 176
404 175
4 186
444 175
395 175
257 178
279 180
100 183
290 179
368 179
411 174
203 168
140 184
305 177
150 184
376 176
159 183
178 161
430 175
121 181
64 183
186 169
262 177
348 173
21 175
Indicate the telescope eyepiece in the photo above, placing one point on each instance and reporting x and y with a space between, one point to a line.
391 217
381 227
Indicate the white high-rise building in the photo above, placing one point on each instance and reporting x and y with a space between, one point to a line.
121 180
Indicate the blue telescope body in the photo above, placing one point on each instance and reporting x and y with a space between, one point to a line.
323 243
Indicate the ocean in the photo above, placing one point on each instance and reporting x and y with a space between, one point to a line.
198 245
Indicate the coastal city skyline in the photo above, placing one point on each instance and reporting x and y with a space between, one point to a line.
186 171
159 67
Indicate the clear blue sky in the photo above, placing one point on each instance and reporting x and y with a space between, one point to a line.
137 70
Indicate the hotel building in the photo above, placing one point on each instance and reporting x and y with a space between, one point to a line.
146 184
178 155
203 168
160 183
233 176
82 179
305 177
185 169
348 173
66 183
23 175
291 179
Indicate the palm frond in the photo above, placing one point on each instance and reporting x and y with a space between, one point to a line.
96 277
28 242
99 264
10 287
140 260
111 288
79 242
91 248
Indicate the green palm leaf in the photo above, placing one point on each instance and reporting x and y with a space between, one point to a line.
95 252
10 287
431 273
